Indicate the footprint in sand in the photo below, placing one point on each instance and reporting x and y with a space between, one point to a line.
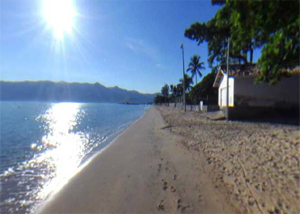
159 168
165 185
184 208
181 206
160 206
201 199
178 204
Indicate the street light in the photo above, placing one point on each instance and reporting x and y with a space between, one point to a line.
227 90
183 78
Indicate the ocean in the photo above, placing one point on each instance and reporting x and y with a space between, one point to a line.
42 145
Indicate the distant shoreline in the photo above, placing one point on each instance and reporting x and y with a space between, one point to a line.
67 101
149 103
45 91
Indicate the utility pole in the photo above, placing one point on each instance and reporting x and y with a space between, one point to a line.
183 84
227 90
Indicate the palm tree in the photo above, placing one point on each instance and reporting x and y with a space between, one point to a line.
195 66
179 89
173 89
165 92
188 82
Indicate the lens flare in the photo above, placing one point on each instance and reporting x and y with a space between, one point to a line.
59 15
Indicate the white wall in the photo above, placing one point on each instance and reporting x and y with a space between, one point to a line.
222 92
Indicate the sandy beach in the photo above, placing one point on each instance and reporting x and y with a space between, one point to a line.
145 170
170 162
256 165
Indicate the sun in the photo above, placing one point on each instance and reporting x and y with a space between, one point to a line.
59 15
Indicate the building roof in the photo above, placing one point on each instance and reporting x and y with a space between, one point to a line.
235 70
218 78
247 70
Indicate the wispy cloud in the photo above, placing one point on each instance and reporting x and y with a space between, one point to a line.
131 47
141 47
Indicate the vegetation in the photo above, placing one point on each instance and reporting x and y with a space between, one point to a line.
179 89
270 25
188 82
204 90
159 99
165 92
174 95
195 66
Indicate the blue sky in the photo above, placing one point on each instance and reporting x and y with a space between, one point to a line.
131 44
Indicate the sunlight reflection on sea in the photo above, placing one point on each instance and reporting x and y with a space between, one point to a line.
66 148
65 135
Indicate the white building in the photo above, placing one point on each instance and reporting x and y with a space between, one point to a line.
246 96
221 83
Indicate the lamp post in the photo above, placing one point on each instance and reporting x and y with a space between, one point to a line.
227 90
183 84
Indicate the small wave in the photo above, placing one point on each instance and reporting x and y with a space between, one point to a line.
67 136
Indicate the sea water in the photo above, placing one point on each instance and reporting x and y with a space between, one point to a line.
42 145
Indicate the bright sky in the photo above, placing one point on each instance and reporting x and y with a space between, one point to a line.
131 44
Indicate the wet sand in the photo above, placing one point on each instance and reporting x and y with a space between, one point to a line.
147 169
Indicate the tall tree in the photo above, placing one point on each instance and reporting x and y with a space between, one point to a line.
179 89
205 91
165 92
173 89
158 99
253 24
195 66
188 82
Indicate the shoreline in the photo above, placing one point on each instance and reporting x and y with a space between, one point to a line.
87 160
145 170
111 138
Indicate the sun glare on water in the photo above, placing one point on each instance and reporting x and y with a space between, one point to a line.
59 15
63 148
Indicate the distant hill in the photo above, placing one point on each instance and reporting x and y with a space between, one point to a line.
63 91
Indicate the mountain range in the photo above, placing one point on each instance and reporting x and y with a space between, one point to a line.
69 92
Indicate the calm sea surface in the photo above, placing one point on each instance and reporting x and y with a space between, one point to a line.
44 144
